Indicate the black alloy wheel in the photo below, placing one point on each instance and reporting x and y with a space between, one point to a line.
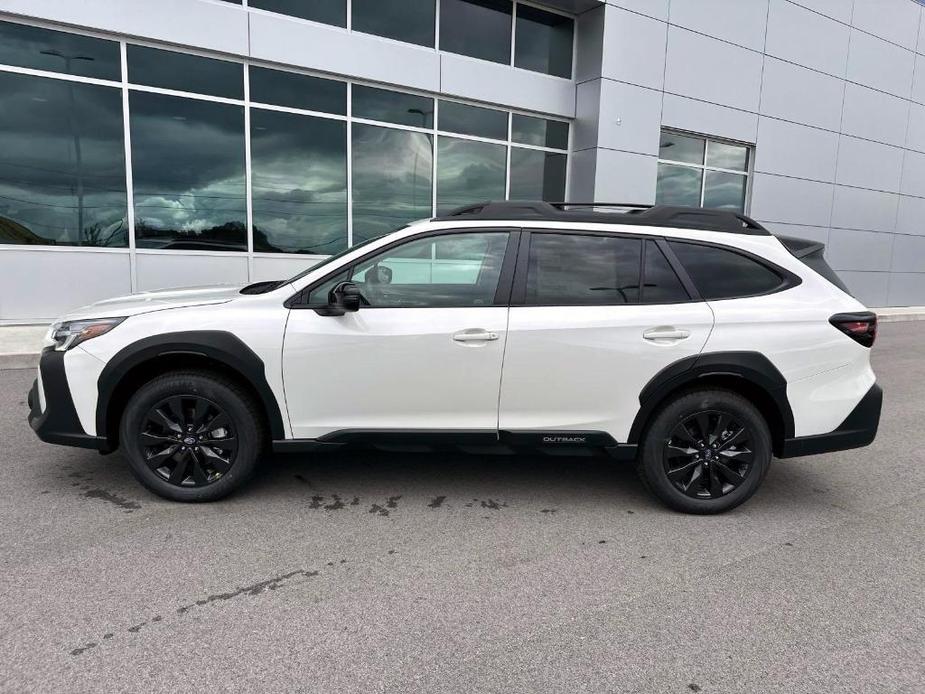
708 454
188 440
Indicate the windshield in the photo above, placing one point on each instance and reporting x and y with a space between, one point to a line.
336 256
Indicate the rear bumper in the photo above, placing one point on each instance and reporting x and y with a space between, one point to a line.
859 429
58 423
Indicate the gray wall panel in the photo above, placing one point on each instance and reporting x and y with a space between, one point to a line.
710 119
657 9
906 289
913 180
915 134
634 122
175 269
735 21
791 200
876 63
918 80
869 210
836 9
624 176
859 250
710 70
80 278
908 253
874 115
893 20
870 288
784 91
634 48
867 164
910 218
796 150
800 36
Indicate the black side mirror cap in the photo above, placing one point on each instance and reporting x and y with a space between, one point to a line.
344 298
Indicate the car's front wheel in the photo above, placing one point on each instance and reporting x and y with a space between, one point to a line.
706 451
191 436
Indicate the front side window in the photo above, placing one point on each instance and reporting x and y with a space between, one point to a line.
578 270
696 171
721 274
451 270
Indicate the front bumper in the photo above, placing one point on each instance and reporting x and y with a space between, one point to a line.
58 423
859 429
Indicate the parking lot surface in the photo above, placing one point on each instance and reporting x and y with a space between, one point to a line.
451 573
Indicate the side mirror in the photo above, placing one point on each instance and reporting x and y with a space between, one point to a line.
345 297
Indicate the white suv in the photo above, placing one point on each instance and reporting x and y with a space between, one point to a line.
691 341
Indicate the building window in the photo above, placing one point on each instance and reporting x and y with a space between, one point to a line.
62 163
227 156
543 41
701 172
411 21
188 173
325 11
477 28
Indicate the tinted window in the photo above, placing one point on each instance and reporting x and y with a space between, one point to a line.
724 190
326 11
570 269
299 170
403 20
537 175
297 91
543 41
189 73
678 185
468 172
661 284
188 173
539 131
681 148
722 274
58 51
472 120
451 270
393 107
391 179
62 163
478 28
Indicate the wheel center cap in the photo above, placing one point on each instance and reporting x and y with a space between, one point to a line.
189 440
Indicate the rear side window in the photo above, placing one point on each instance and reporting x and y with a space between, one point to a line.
661 284
578 270
721 274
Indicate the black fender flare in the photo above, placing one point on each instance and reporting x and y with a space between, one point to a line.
753 367
222 346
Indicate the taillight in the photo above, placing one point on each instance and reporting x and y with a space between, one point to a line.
861 327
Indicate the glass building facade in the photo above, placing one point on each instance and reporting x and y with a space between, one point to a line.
117 144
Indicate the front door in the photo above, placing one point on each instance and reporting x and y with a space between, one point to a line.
424 354
593 318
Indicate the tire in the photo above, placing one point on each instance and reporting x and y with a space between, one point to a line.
194 418
696 474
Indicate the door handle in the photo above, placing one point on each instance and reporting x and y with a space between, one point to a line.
667 334
475 335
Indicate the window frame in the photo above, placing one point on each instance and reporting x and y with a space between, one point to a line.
703 167
299 300
519 289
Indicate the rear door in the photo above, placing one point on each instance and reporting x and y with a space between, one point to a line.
594 316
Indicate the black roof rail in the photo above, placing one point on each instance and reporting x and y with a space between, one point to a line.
642 215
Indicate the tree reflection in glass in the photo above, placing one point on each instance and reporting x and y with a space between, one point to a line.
62 163
299 169
188 173
468 172
392 179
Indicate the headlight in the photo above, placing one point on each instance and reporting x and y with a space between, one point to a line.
72 333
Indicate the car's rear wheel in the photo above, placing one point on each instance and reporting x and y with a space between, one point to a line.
191 436
706 451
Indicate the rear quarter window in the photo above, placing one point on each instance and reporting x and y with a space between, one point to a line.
724 274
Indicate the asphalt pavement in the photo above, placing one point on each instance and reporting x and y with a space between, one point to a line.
382 572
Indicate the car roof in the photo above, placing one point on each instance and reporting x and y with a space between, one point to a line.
671 216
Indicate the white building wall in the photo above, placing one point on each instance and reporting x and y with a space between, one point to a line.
830 92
